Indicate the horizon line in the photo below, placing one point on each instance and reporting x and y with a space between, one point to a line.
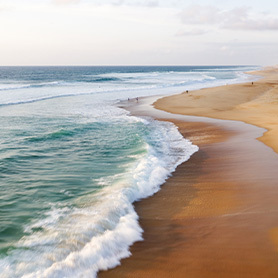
190 65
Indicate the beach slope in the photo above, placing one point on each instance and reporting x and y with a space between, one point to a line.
217 216
254 102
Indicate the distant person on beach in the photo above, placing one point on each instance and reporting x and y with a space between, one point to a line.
137 99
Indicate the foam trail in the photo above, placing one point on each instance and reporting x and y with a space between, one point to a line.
80 242
82 219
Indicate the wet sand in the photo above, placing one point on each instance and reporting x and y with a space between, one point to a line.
255 103
217 216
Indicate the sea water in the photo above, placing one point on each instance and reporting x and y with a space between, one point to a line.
72 163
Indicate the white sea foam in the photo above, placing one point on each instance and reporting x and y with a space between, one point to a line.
95 234
138 84
80 241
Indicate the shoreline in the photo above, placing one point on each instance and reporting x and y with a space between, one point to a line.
217 216
253 103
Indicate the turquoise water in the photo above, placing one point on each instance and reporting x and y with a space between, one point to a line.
54 161
72 162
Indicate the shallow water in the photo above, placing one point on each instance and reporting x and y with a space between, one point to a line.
72 163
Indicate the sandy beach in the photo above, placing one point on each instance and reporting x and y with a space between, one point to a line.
217 216
254 103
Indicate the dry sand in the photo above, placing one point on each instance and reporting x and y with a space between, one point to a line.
256 104
218 215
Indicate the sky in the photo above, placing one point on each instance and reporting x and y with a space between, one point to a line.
138 32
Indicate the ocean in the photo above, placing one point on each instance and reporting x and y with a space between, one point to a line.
72 162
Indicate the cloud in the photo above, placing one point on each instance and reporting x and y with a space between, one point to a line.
196 14
144 3
241 18
5 8
65 2
192 32
227 50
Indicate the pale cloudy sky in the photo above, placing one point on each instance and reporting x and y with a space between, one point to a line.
138 32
